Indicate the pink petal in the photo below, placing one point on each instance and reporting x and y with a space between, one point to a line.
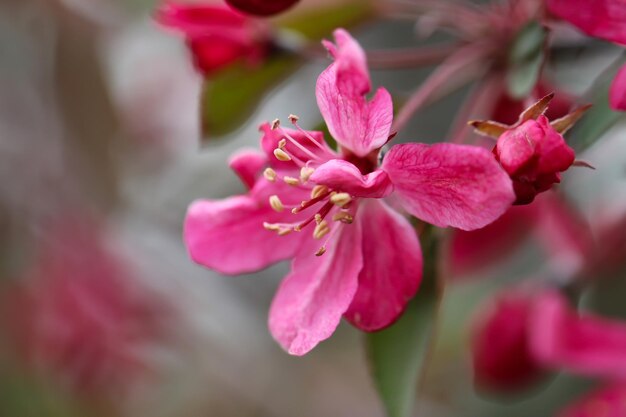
585 344
599 18
271 137
198 19
392 267
554 154
247 164
355 123
516 147
449 185
353 77
617 95
343 176
228 235
312 298
607 401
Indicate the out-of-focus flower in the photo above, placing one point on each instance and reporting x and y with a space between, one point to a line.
79 315
217 35
604 19
262 7
607 401
532 151
372 265
581 343
501 354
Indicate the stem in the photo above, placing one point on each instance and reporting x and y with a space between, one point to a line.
459 62
410 57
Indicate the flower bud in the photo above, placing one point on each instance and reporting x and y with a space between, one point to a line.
533 154
500 351
261 7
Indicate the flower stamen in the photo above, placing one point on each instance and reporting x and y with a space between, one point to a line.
340 199
276 204
269 174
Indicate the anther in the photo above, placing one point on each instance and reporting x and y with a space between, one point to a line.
284 231
271 226
293 118
343 217
318 218
275 124
305 173
281 155
321 230
269 174
340 199
276 204
318 190
291 180
282 143
320 251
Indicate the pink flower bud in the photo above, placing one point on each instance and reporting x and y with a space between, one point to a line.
533 154
501 356
261 7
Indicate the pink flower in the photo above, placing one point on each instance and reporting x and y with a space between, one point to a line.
262 7
501 354
80 315
604 19
607 401
532 151
577 342
360 258
216 35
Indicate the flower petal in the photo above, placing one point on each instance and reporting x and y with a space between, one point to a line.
355 123
247 164
554 154
617 95
392 267
599 18
312 298
228 235
585 344
343 176
449 185
353 77
271 137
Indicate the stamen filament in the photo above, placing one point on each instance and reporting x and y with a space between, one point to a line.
308 136
298 145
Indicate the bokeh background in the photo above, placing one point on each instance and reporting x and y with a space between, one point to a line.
103 313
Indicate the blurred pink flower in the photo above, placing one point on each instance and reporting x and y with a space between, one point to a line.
80 315
501 354
604 19
216 35
372 262
262 7
558 227
607 401
581 343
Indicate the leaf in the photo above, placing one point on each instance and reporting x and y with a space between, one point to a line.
321 21
229 98
566 122
488 128
398 354
525 59
536 109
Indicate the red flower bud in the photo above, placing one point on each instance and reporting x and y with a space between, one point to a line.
500 349
261 7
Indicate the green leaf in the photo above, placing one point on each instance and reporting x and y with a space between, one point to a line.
398 354
230 97
600 118
320 22
525 59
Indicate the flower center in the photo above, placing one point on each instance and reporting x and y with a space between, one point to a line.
323 203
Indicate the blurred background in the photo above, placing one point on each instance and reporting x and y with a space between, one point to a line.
103 313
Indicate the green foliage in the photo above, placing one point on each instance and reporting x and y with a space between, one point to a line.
398 354
525 59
